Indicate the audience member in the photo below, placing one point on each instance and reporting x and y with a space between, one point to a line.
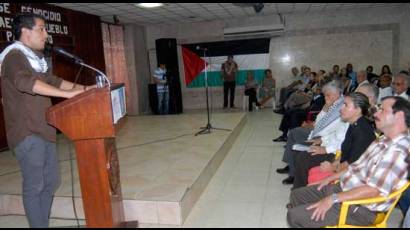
386 70
298 100
400 84
372 93
385 89
251 87
335 75
380 170
294 118
328 122
352 74
285 92
371 77
361 78
267 91
346 82
306 77
319 80
359 136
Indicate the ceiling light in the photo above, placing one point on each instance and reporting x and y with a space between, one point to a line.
149 5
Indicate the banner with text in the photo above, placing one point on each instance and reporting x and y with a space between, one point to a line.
56 20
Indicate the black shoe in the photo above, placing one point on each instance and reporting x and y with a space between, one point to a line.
283 170
280 139
288 180
279 111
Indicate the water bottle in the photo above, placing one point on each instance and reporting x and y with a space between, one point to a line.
100 81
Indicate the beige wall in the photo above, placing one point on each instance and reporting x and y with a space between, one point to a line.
376 36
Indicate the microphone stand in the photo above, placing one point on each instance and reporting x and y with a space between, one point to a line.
78 61
96 70
208 127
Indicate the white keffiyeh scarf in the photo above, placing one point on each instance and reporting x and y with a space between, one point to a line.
38 64
332 114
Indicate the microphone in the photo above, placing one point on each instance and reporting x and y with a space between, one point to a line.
67 54
199 48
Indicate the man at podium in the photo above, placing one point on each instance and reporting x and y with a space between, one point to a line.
27 85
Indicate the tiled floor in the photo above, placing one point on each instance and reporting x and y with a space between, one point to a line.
245 191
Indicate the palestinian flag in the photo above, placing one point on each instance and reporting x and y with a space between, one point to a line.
250 55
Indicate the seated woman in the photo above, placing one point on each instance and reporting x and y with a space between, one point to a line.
359 136
251 87
267 91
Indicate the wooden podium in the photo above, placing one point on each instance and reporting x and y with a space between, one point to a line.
88 119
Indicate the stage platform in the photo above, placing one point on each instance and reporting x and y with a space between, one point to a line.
164 167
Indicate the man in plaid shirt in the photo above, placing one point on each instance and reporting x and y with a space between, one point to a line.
380 170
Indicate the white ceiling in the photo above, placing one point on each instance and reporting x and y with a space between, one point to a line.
173 13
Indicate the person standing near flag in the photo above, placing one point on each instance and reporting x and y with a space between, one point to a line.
229 70
160 78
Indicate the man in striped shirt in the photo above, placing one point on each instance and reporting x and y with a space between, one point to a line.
381 170
160 79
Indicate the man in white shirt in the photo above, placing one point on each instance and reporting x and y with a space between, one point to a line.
361 78
385 89
400 84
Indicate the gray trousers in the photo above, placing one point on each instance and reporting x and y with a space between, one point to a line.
163 102
299 217
295 136
41 177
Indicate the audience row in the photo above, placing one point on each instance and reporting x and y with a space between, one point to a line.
349 141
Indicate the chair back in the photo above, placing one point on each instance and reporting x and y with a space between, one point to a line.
381 218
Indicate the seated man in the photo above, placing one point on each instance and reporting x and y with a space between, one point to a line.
327 123
285 92
385 87
372 92
381 170
298 83
294 118
400 84
361 79
358 137
251 87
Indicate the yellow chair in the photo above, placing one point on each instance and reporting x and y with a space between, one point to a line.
338 154
381 218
